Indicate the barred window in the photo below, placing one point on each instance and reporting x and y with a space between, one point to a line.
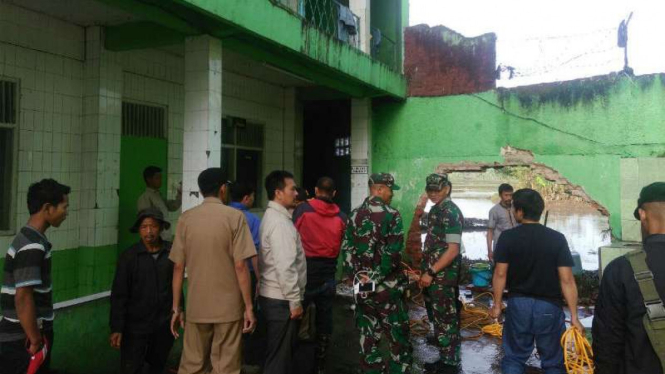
143 120
8 131
242 152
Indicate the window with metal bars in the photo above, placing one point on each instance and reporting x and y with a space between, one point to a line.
143 120
8 123
242 152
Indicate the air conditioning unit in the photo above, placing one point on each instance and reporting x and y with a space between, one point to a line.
609 252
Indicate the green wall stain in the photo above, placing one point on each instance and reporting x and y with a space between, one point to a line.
583 136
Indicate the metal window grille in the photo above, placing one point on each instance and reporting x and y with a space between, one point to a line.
8 120
143 120
242 141
329 17
7 102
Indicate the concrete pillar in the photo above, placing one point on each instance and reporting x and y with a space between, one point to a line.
361 140
361 8
293 133
203 113
102 124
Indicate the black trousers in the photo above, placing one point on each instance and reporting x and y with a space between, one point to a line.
14 357
282 335
254 344
137 351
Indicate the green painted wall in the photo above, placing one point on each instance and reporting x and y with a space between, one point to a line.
581 129
137 153
275 24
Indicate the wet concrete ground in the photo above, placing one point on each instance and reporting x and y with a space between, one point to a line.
480 356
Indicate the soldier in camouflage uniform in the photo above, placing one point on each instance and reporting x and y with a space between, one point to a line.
373 242
441 269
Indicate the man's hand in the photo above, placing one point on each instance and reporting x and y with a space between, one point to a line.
34 347
490 255
115 340
425 280
250 321
496 311
177 323
296 313
575 322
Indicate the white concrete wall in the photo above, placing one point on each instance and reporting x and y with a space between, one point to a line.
61 89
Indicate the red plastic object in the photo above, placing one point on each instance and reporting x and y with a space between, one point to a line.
37 360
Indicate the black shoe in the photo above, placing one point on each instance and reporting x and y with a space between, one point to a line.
448 369
431 367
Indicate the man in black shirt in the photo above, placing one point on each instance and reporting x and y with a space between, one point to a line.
620 341
141 298
534 263
26 320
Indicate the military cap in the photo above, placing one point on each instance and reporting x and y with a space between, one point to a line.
151 212
385 179
437 181
654 192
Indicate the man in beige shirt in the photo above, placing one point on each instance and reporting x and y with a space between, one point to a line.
151 198
283 273
213 242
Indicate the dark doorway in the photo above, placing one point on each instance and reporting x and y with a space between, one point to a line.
327 135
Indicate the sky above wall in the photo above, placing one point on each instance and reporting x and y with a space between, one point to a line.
556 40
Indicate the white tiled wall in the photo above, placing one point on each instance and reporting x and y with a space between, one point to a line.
70 105
45 55
361 130
636 173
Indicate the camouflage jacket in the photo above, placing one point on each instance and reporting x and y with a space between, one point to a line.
373 241
444 225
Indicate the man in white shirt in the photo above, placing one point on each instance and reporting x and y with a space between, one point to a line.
283 273
151 198
501 218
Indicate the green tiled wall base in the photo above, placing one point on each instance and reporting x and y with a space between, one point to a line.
82 271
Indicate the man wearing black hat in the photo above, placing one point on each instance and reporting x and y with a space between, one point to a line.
629 320
141 298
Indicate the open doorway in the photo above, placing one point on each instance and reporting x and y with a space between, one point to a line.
327 146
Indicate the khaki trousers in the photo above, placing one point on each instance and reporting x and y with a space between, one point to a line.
212 348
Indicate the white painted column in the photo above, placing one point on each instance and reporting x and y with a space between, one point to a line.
361 149
361 8
203 113
102 123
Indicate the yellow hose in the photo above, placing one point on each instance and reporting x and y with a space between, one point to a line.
577 352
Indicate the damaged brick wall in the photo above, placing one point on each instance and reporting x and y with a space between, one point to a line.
512 157
439 61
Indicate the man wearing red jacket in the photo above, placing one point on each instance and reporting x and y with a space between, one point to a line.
321 226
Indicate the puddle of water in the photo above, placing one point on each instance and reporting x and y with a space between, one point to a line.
585 232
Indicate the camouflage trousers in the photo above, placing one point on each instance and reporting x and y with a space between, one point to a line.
443 312
375 321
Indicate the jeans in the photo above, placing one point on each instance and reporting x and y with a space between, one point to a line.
530 321
282 335
322 294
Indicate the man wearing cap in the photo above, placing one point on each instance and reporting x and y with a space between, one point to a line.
141 298
621 342
372 253
441 268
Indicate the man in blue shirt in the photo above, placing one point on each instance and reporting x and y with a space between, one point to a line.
242 198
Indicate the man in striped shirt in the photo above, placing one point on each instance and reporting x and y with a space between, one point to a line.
26 316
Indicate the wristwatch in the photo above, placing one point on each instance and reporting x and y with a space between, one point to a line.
431 272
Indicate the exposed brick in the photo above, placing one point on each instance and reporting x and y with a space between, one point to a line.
440 62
